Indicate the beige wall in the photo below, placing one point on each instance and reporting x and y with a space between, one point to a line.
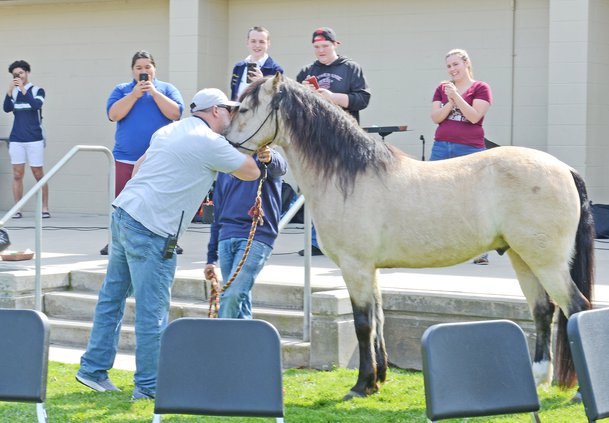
544 59
598 103
530 96
198 44
78 53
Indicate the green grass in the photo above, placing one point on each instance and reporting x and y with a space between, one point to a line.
310 396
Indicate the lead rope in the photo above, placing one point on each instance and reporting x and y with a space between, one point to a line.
257 215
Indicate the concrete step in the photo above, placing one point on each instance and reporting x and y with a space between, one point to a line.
73 333
265 294
81 306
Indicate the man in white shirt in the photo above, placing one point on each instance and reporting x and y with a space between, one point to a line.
169 183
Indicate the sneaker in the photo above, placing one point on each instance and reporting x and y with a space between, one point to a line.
179 250
577 398
314 251
104 251
138 395
99 386
482 260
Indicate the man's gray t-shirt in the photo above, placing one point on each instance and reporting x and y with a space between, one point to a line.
179 169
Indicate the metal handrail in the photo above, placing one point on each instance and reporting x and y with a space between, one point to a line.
37 189
306 306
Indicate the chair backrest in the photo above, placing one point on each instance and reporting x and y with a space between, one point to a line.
220 367
477 369
588 333
24 355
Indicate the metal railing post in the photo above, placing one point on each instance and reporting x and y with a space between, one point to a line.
291 212
306 330
37 190
38 252
306 306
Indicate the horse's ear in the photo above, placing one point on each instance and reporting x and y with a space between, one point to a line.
277 79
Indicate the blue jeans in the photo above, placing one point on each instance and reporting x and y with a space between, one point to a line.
135 267
447 150
236 301
314 242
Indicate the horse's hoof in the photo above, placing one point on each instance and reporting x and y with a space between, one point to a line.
542 372
353 394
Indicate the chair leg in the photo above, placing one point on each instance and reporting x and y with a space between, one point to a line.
535 417
41 412
156 418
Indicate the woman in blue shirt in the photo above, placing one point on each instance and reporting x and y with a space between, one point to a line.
139 108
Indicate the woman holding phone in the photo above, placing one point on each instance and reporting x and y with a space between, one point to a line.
139 108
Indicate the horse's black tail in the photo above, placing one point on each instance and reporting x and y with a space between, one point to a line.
582 273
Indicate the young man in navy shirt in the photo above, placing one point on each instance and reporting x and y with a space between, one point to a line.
26 141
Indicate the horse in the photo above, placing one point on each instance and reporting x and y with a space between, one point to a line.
416 214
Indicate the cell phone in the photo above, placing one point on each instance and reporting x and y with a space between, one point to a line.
313 81
250 68
170 246
143 77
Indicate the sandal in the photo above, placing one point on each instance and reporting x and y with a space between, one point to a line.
46 215
17 215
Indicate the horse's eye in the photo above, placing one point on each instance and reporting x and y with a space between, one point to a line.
242 110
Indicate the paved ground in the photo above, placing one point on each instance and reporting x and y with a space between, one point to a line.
72 241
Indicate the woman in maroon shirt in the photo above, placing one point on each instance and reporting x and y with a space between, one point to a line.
459 107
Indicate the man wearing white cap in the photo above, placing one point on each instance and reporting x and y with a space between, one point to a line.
153 210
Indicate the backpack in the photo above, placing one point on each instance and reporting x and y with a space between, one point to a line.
4 240
288 197
600 213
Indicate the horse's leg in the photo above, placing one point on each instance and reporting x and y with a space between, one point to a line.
365 296
557 282
542 311
379 343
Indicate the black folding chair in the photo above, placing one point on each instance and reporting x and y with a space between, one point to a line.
220 367
24 357
477 369
588 333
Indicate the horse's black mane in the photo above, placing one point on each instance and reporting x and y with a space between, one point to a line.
330 140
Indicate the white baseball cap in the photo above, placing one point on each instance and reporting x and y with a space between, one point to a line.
209 97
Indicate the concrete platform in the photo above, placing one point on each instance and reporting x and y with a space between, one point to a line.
72 242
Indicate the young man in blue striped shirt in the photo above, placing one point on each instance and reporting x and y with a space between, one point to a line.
26 141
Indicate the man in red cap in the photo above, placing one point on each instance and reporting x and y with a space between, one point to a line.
339 80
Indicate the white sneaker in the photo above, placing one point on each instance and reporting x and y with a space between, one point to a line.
99 386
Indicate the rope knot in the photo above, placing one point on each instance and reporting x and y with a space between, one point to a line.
256 212
214 298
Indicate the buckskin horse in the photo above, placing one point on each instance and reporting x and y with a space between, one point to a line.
375 207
